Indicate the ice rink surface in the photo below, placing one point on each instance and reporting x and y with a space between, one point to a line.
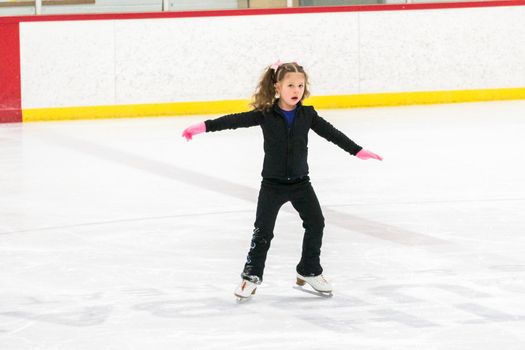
119 234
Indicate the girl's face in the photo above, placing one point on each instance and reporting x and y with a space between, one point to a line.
291 90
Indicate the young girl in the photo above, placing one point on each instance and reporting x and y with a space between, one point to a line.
285 123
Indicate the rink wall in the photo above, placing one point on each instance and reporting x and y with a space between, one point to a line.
125 65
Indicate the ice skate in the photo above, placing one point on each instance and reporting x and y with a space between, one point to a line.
319 284
246 289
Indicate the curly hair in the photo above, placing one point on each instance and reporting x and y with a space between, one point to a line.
264 96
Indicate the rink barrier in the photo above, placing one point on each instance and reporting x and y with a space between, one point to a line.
235 106
12 106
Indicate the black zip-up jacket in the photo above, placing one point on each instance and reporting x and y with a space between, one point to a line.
285 149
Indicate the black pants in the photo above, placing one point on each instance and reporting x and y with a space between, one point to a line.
272 196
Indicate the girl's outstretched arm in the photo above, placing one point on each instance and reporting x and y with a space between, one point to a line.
230 121
234 121
328 131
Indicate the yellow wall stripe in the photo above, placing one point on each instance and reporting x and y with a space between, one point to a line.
232 106
413 98
136 110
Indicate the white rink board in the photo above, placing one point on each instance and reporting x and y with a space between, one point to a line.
67 63
458 49
93 63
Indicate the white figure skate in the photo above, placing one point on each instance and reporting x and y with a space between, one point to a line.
245 290
318 283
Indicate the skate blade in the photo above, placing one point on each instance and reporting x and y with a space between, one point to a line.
314 292
241 298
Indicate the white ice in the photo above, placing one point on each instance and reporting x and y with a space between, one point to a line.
119 234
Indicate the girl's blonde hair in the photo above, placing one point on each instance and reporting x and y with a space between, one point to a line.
264 96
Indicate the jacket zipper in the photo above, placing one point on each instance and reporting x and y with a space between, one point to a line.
289 135
287 144
288 132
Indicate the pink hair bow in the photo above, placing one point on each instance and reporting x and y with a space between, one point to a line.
276 65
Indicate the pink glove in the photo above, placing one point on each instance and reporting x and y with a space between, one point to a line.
194 130
364 155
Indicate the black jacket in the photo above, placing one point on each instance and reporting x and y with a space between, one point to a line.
285 149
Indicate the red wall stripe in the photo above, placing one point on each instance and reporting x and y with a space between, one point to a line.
10 94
